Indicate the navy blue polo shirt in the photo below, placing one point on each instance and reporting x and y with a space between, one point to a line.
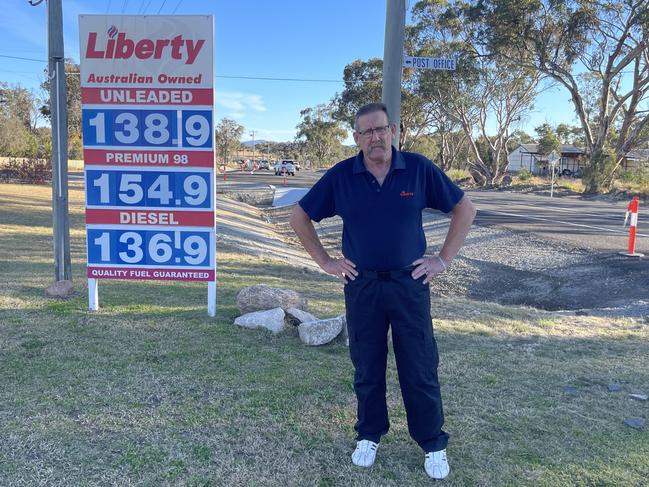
382 225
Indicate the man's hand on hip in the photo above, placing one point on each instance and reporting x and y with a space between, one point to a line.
429 267
342 268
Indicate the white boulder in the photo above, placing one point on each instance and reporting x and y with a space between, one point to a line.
272 319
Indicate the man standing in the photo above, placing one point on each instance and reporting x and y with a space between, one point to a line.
380 195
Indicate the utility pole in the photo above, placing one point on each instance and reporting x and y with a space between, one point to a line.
395 26
59 122
253 149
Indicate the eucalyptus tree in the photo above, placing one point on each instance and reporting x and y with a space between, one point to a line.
363 84
321 134
548 139
486 95
228 138
589 47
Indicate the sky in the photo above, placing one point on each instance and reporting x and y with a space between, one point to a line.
297 39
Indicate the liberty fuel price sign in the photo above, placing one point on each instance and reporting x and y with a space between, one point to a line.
147 104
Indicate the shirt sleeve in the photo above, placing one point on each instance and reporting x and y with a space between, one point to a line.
441 193
319 202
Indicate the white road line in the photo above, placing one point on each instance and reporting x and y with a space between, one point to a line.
559 221
534 206
569 210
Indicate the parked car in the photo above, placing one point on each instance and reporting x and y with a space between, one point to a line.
297 165
264 164
285 168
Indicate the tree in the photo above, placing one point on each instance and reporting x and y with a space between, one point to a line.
548 140
20 104
321 133
19 115
484 96
227 137
73 96
570 134
363 84
520 137
608 40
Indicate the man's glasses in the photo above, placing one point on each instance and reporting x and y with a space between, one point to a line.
369 133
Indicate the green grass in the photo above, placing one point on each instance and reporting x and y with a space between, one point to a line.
151 391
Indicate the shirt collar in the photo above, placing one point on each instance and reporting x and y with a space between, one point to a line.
397 162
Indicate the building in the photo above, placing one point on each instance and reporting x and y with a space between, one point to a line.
635 159
526 156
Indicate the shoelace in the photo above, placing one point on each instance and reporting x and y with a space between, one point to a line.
366 445
431 455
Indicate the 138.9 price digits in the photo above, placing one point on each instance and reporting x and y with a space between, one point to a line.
147 128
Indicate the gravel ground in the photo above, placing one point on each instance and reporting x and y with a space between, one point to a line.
499 265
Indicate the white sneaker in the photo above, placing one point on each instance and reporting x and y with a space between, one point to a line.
365 453
436 465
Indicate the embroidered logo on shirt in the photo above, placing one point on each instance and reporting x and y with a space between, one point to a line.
406 194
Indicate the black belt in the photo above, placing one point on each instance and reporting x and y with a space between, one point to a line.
388 275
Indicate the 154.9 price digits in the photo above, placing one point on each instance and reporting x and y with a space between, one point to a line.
148 189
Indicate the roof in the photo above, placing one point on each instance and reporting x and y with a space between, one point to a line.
638 155
565 149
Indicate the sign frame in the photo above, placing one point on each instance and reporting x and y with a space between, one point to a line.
147 89
434 63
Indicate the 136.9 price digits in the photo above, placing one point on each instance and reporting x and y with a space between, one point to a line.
156 248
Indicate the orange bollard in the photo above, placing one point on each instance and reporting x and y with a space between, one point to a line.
284 179
632 210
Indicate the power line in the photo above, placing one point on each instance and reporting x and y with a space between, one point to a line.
163 4
177 5
108 8
281 79
143 7
260 78
124 6
23 58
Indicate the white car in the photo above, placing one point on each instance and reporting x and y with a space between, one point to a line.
285 168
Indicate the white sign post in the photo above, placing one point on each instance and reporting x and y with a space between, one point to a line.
436 63
147 94
553 158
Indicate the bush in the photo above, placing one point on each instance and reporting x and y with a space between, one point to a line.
29 169
75 147
524 174
458 174
639 176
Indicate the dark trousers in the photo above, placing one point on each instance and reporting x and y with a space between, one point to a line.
376 301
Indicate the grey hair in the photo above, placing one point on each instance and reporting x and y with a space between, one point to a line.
371 108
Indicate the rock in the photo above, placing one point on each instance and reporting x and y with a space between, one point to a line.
60 289
637 423
296 316
614 387
258 298
570 391
320 332
638 397
272 320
